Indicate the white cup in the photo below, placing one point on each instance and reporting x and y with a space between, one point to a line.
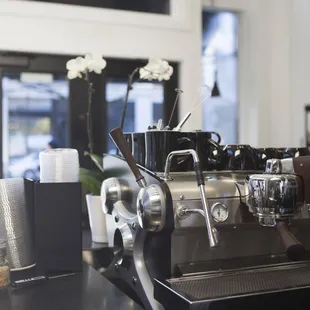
97 219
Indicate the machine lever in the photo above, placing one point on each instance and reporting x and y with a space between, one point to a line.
212 232
294 249
119 140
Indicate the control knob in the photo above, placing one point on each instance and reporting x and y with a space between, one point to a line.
112 191
151 208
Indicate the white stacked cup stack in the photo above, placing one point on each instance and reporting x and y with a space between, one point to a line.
59 166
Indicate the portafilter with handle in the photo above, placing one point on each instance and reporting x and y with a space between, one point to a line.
278 195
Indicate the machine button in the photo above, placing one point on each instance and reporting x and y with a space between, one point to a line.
151 208
112 191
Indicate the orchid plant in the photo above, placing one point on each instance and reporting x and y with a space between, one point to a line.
81 67
155 69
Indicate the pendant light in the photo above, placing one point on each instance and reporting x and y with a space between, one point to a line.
215 90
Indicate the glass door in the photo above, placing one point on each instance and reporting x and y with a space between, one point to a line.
34 117
220 66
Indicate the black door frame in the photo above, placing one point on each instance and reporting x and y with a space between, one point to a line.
116 68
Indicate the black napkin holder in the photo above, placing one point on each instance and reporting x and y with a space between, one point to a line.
56 221
58 228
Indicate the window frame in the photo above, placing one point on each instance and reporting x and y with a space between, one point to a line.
161 7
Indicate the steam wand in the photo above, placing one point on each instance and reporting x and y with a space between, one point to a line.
188 115
178 91
213 234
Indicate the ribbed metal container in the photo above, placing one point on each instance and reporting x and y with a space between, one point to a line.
15 222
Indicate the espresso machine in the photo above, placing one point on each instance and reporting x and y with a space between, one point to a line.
208 239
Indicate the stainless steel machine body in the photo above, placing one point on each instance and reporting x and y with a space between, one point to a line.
163 257
209 240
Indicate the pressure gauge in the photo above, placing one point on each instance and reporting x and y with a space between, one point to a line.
219 212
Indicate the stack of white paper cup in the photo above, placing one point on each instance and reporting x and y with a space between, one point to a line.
59 166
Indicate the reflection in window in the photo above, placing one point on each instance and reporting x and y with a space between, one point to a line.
145 106
220 60
34 113
147 6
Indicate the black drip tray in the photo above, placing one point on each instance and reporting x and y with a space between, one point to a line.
245 283
222 286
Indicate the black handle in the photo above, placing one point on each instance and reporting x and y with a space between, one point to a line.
294 249
199 175
119 140
218 157
302 168
219 138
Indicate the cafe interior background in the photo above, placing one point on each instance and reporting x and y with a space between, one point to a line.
241 67
256 51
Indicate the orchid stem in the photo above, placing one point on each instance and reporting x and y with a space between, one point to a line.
129 88
89 118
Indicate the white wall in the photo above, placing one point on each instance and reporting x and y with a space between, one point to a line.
274 82
265 68
300 75
273 52
61 29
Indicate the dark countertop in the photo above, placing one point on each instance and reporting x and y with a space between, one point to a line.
87 290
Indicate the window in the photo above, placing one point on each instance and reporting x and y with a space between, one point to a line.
148 101
220 64
34 113
39 104
145 106
147 6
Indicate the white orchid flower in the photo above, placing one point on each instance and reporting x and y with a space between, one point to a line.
76 67
95 63
165 71
90 63
156 69
145 74
73 74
